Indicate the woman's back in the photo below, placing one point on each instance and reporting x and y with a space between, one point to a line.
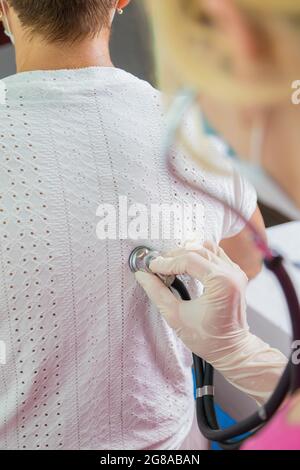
90 364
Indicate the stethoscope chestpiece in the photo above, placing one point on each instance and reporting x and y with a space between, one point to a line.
140 259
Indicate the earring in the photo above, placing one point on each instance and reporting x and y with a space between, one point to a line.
120 11
1 15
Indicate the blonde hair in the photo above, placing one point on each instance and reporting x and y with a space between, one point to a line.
190 52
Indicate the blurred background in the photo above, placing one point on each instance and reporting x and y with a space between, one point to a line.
131 49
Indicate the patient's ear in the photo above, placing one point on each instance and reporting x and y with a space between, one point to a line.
231 21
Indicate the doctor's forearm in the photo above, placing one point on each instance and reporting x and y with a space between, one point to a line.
256 370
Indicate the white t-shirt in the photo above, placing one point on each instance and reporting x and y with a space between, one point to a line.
90 363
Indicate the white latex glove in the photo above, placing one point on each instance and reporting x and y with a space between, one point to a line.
214 326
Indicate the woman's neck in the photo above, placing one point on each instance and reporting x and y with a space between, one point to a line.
281 153
38 55
282 150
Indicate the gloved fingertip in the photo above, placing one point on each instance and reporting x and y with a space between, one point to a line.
156 264
211 246
142 277
192 245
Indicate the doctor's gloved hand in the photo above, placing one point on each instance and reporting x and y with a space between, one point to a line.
214 326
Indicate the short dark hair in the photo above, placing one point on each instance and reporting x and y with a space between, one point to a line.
64 20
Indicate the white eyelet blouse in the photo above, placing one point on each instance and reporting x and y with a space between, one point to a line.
90 363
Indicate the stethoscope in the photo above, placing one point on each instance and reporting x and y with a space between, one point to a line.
289 383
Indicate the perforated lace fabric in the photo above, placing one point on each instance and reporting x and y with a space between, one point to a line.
90 363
